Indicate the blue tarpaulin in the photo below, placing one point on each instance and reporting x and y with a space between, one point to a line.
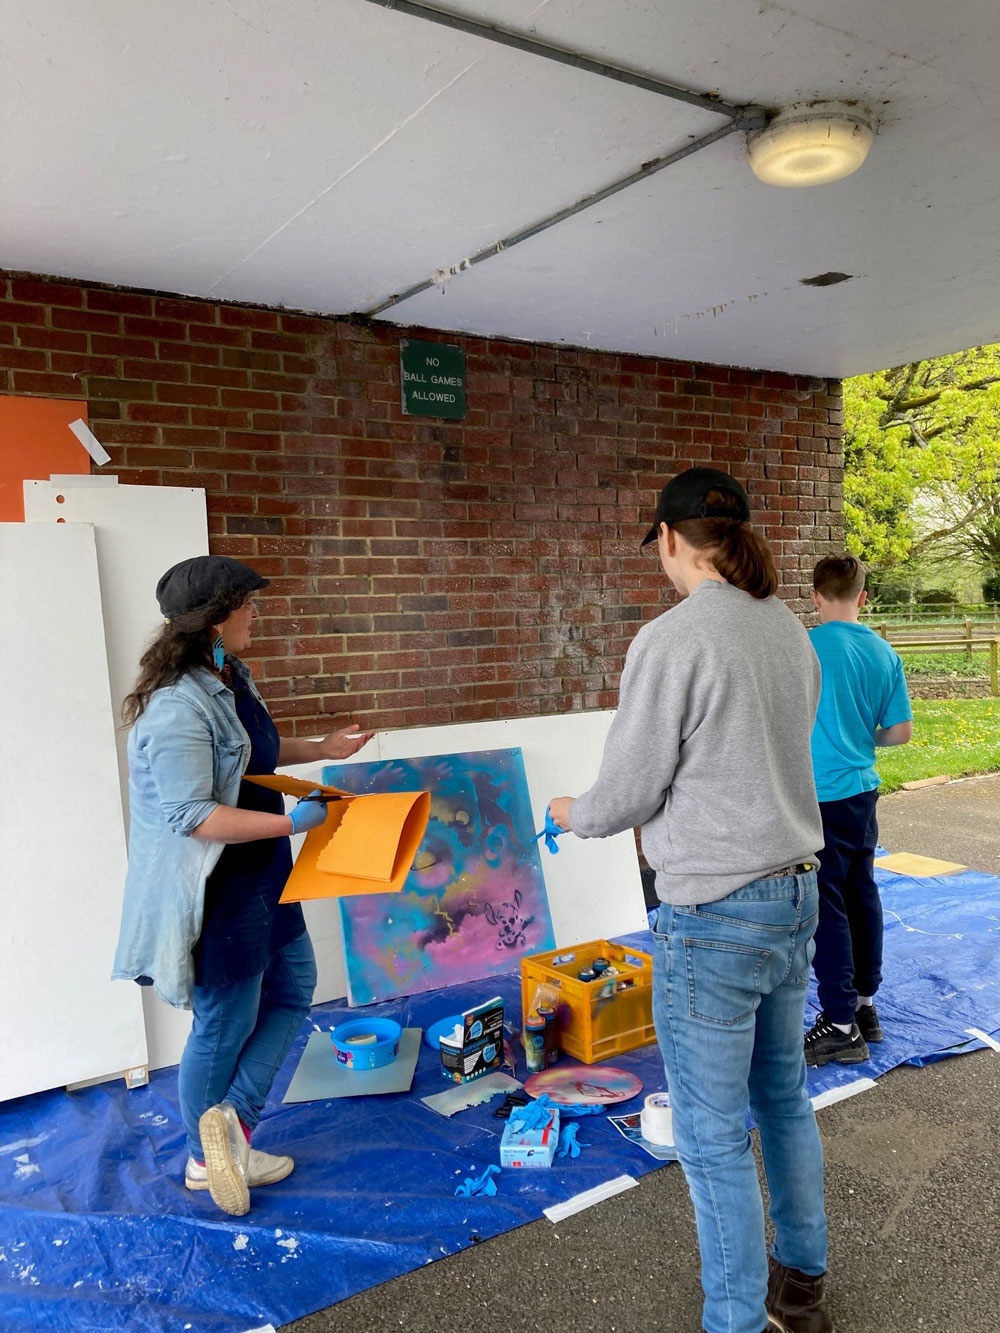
98 1233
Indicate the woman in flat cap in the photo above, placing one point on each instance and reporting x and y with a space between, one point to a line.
209 855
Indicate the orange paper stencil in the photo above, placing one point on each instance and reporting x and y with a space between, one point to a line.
365 845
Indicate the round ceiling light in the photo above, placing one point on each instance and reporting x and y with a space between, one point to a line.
811 145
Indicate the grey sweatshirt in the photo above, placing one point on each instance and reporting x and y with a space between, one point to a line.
709 750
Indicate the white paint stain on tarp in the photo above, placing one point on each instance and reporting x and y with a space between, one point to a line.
291 1244
24 1167
22 1143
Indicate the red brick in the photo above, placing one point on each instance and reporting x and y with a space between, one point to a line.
221 337
245 317
87 320
123 303
52 386
46 293
171 307
22 358
171 330
16 312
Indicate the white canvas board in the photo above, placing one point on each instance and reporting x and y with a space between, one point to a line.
62 842
594 886
141 532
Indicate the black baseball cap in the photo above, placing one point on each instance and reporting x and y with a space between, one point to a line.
684 497
200 581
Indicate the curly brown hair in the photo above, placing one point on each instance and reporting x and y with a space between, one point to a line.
183 642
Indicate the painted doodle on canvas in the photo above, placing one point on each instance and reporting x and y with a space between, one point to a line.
474 902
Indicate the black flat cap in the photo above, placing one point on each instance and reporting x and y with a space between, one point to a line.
202 580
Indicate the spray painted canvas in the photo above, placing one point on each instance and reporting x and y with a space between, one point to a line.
475 900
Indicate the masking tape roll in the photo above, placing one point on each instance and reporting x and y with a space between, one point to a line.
657 1120
366 1043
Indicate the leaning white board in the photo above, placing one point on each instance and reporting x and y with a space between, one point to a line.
593 885
594 888
62 841
141 532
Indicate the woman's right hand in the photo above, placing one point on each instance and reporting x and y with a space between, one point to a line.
308 813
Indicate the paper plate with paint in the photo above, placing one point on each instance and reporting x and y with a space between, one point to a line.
583 1085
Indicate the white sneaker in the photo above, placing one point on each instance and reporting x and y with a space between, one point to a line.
227 1155
263 1168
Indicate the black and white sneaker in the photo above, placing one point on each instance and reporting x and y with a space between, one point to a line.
866 1017
824 1042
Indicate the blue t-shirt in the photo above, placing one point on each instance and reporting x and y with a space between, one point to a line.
863 689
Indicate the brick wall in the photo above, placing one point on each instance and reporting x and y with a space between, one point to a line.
425 572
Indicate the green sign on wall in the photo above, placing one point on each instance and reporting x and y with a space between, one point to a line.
432 378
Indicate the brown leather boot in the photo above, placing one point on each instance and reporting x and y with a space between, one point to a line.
794 1301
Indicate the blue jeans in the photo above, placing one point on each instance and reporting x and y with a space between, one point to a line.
240 1036
729 990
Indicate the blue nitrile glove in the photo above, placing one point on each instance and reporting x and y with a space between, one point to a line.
550 832
535 1115
308 813
478 1185
568 1145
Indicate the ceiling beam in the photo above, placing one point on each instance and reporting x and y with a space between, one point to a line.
521 42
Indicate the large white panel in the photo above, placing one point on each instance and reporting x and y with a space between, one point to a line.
62 844
593 885
141 532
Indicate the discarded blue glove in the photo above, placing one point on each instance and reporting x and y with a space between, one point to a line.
550 832
568 1145
309 813
481 1185
535 1115
574 1112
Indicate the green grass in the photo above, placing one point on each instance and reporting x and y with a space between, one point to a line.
954 736
949 663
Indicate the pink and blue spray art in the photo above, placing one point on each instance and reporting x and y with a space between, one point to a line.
474 903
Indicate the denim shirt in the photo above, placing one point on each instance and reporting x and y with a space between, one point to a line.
186 755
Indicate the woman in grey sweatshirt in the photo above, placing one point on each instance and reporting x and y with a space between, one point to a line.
709 753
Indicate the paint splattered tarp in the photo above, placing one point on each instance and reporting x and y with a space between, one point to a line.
97 1232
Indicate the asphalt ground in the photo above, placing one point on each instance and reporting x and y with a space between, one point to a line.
912 1181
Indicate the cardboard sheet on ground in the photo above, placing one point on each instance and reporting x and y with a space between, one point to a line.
365 845
919 867
319 1076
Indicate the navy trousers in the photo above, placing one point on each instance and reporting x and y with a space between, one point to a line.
848 960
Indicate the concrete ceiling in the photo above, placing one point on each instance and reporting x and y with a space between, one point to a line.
326 154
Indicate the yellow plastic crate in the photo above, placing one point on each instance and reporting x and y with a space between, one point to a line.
595 1019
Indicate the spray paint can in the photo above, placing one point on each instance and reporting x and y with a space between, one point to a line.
551 1048
586 974
600 965
534 1042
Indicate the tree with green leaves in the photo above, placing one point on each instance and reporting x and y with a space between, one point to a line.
922 456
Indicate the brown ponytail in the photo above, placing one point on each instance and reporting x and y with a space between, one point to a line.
737 550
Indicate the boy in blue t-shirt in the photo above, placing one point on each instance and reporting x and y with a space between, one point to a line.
864 703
